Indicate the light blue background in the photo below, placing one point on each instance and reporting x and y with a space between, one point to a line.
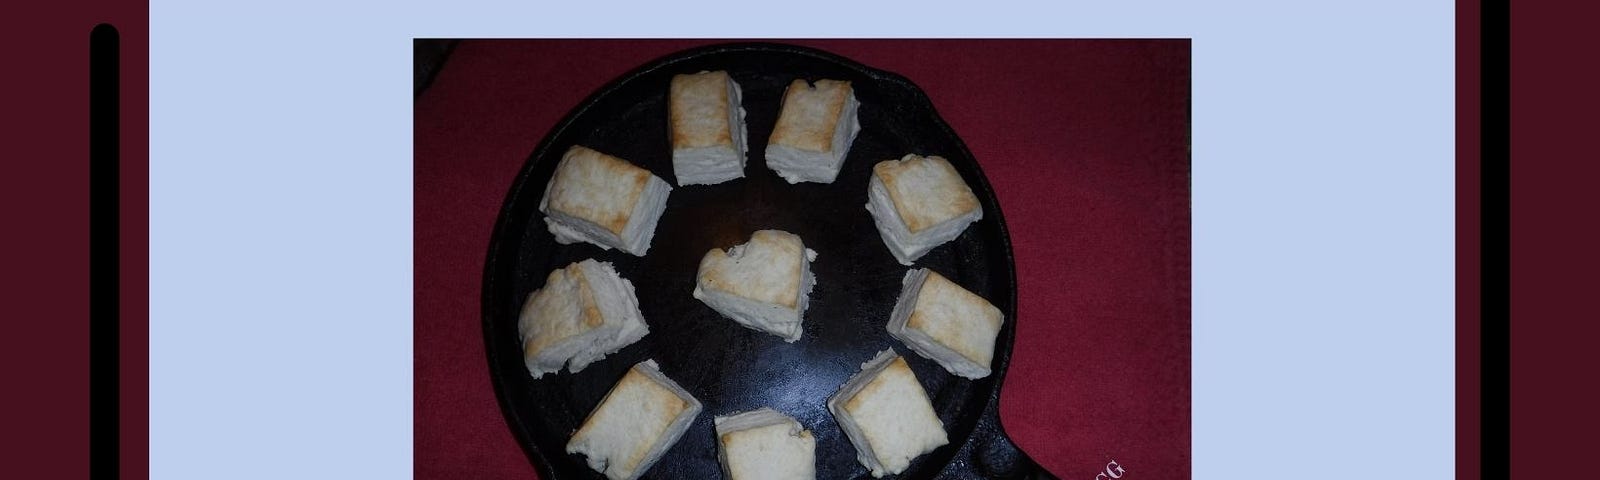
280 211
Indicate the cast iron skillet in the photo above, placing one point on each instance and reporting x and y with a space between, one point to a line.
728 367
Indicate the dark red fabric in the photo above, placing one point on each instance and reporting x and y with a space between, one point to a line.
1085 142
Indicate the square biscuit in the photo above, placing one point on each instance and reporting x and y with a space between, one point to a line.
810 114
765 445
918 203
926 191
707 128
887 416
642 416
946 323
604 200
816 125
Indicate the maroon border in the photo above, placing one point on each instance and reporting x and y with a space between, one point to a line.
133 22
1468 242
1549 119
44 200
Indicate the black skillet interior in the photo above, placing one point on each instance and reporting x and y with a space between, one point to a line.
730 368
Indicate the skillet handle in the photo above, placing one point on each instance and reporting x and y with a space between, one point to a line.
990 453
999 458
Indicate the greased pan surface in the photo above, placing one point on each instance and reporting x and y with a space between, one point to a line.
728 367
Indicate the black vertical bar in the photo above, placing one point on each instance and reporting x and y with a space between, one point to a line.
104 227
1496 254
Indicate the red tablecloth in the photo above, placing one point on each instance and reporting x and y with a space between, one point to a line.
1085 142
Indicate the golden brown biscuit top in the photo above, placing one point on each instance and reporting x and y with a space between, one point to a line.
894 414
767 270
597 187
810 114
698 110
637 410
956 318
563 308
926 191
